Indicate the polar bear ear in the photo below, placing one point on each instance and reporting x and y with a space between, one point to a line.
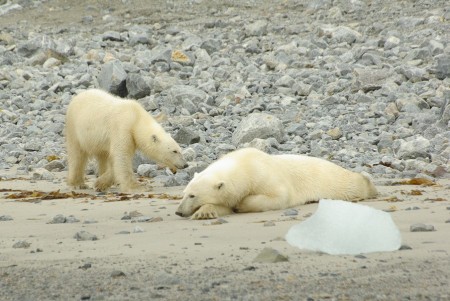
155 138
195 175
219 185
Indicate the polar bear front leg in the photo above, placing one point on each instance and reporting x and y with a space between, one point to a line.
77 160
210 211
260 203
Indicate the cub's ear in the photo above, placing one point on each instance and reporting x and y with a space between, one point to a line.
155 138
220 185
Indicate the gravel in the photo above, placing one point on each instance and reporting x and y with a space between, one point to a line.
353 84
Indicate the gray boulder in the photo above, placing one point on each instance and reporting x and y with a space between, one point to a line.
137 86
418 147
258 125
112 78
187 97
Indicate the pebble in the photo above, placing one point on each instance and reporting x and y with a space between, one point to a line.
84 236
290 212
269 224
421 228
61 219
269 255
117 274
21 244
4 218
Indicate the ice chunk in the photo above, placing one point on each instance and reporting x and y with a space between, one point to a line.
340 227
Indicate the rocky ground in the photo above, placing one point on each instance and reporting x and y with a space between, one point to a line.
365 84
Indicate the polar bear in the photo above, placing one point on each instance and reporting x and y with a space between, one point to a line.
249 180
111 129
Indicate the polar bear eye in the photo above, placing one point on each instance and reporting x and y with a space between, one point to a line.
175 152
191 196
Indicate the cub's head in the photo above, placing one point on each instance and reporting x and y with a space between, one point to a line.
168 152
202 190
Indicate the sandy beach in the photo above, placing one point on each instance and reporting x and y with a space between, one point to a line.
173 258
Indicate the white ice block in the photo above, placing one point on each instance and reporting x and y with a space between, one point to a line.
340 227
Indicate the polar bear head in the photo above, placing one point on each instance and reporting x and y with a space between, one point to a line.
219 184
200 191
155 143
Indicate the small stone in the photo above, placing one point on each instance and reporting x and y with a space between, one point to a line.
117 274
21 244
421 228
4 218
405 247
335 133
269 224
84 236
360 256
257 28
123 232
269 255
213 222
85 266
290 212
138 229
90 221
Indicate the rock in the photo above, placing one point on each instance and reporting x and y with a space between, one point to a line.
290 212
84 236
421 228
391 42
258 125
112 36
411 103
443 66
137 86
269 255
21 244
258 28
55 165
42 174
335 133
340 34
147 170
417 147
186 136
112 78
61 219
117 274
4 218
269 224
285 81
370 79
187 97
138 229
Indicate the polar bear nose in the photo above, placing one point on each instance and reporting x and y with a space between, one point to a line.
179 213
185 165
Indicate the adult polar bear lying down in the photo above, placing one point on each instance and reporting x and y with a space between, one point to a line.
111 129
249 180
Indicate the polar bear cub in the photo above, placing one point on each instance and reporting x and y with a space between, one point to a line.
249 180
111 129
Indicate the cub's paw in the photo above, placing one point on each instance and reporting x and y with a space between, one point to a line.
205 212
101 186
133 188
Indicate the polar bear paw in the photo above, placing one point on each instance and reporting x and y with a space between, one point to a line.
205 212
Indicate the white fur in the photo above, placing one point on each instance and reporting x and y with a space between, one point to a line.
249 180
111 129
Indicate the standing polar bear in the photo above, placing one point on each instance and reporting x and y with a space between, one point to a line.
111 129
249 180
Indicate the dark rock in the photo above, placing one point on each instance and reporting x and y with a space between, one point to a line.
137 86
421 228
186 136
112 78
